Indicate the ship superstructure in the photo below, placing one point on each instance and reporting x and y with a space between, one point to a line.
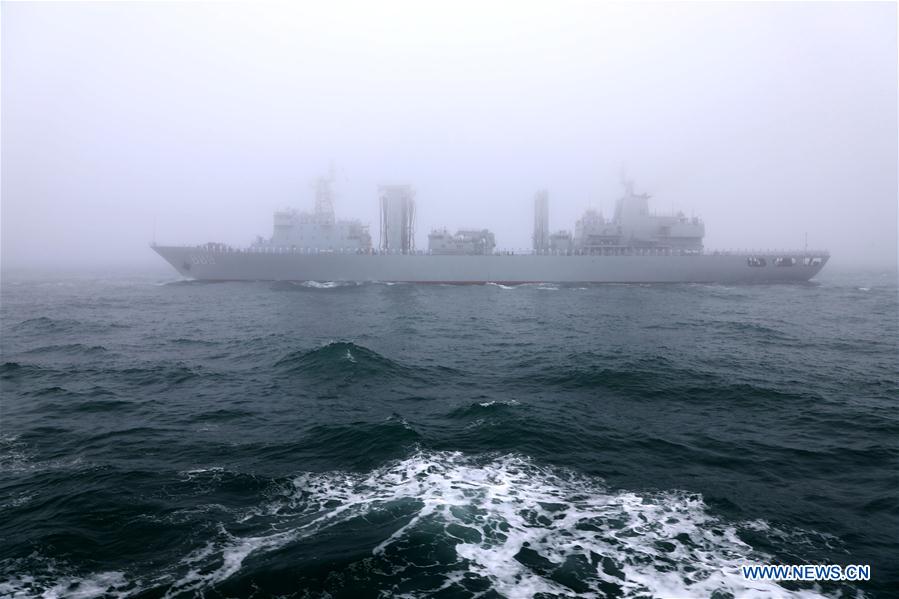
632 228
318 230
464 242
634 246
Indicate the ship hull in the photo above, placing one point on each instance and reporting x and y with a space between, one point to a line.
207 264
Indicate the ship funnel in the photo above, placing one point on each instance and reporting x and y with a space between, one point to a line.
397 218
541 221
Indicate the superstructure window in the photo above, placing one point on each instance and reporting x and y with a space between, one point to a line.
784 261
756 261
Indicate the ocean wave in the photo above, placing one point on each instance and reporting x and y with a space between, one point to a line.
538 285
657 377
361 443
342 360
172 282
445 521
44 325
521 528
188 342
223 414
495 402
16 456
198 283
163 374
78 349
481 408
71 403
313 285
326 284
52 585
14 371
756 331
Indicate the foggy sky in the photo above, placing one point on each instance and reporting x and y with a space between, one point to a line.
768 120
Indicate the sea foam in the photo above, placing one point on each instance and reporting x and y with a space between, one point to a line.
523 528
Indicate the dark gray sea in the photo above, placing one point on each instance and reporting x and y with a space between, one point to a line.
163 438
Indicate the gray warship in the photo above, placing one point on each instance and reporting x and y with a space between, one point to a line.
633 246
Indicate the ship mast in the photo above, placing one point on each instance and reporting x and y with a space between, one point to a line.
324 199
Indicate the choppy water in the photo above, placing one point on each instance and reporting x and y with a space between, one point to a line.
179 439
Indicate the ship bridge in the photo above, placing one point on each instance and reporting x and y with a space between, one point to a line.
319 229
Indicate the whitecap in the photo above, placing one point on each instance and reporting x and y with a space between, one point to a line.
100 584
320 285
660 544
493 402
213 472
491 511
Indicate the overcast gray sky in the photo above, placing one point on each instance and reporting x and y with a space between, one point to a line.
768 120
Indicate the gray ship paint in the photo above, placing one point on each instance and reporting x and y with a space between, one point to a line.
209 263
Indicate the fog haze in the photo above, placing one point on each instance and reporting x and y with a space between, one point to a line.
193 122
